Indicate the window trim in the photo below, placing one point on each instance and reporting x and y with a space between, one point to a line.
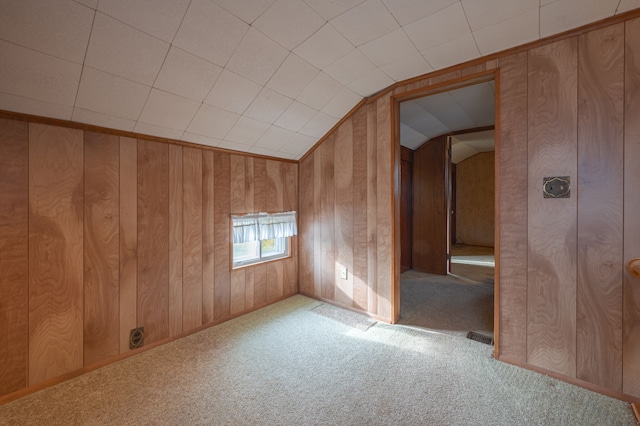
273 258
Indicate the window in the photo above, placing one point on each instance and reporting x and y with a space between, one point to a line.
261 237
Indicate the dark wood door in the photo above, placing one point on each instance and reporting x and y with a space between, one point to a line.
430 206
406 208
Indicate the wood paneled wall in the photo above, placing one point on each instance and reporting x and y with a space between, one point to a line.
475 195
568 107
100 234
631 248
562 285
346 215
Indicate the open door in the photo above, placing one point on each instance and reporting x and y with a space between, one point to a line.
431 206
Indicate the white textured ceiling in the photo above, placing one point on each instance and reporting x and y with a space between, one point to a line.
465 108
263 76
467 145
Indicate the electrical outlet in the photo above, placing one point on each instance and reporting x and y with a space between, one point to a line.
136 338
343 273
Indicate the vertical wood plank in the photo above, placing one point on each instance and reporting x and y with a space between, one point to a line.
101 246
275 187
222 290
260 284
153 239
249 283
260 185
360 277
512 189
290 203
14 254
260 205
327 218
551 272
176 218
237 280
385 207
238 184
317 222
600 206
249 185
55 251
631 319
237 203
372 209
192 239
208 247
305 231
343 230
275 277
275 203
128 239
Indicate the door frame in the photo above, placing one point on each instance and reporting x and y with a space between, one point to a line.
456 82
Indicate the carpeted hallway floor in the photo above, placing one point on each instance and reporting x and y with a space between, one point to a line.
302 362
451 304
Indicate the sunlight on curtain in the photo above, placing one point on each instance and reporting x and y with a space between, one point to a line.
263 226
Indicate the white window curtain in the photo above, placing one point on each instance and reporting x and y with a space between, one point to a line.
263 226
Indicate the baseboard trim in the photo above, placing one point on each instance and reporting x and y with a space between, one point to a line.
72 374
349 308
574 381
636 410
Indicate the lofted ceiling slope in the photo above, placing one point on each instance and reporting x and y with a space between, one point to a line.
268 77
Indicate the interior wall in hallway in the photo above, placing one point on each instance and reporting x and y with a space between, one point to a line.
100 234
475 200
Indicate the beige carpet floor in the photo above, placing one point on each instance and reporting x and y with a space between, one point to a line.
302 362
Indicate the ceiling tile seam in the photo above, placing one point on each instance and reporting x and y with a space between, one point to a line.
224 67
248 23
362 44
342 13
392 15
434 117
103 114
282 64
85 5
155 80
446 5
136 28
188 53
41 52
277 118
504 20
331 63
214 85
84 58
35 100
417 50
180 26
308 37
470 31
172 94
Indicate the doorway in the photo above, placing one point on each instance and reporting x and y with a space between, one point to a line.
444 283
